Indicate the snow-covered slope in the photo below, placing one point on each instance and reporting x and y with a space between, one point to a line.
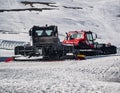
93 75
99 16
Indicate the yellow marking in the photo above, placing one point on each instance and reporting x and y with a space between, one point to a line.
81 56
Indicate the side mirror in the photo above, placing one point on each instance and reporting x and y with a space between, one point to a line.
71 38
66 36
30 32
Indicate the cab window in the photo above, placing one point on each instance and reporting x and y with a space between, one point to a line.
38 32
48 32
90 38
78 35
43 33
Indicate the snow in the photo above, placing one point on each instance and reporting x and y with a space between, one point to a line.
4 53
97 16
93 75
100 75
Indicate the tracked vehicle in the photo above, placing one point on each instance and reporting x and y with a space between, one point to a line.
45 45
84 42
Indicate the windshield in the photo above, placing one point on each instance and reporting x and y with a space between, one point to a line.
38 32
43 32
76 36
49 32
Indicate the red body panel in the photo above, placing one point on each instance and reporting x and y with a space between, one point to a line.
76 41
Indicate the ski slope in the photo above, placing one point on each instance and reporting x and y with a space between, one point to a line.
99 16
93 75
99 75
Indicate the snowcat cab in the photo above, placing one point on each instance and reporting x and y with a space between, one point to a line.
47 35
84 41
80 39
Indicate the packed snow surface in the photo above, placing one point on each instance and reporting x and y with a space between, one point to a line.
93 75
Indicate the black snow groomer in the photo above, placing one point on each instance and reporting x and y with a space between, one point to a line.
45 45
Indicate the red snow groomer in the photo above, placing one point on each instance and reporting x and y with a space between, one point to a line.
84 42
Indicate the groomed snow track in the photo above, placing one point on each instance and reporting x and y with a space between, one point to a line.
88 76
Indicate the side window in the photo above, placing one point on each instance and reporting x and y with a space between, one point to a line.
90 38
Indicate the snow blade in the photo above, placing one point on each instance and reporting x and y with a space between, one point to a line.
27 58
